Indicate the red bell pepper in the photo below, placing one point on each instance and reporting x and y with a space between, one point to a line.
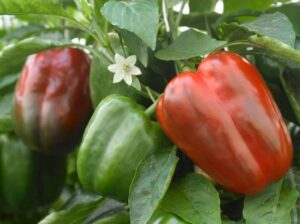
52 99
225 119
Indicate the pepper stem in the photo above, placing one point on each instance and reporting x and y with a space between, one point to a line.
151 110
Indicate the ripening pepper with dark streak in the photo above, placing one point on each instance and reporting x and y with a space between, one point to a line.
52 100
225 119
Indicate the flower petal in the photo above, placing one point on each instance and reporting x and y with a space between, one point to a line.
128 79
114 68
119 59
135 71
118 77
131 60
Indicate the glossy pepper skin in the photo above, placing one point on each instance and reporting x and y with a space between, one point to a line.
225 119
118 136
28 179
52 100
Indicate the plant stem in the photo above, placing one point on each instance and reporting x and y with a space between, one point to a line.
174 147
291 176
65 30
4 23
177 67
207 25
98 36
179 16
276 46
240 13
152 93
240 42
84 27
99 33
106 54
122 45
151 110
165 15
95 52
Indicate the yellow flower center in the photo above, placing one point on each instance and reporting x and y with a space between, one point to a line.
126 68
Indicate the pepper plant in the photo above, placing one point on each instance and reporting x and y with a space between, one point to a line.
171 111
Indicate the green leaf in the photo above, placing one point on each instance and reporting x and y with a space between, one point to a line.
199 21
22 32
101 83
138 16
116 43
295 174
202 6
194 199
150 183
272 205
290 81
226 220
109 210
272 48
283 102
278 50
76 199
275 25
189 44
292 12
97 14
85 7
76 214
235 5
269 69
117 218
271 72
44 7
136 46
162 217
172 3
12 57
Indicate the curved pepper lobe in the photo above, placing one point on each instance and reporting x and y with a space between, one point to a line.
52 99
118 136
225 119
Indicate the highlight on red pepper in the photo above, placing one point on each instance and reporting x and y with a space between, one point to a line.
52 100
225 119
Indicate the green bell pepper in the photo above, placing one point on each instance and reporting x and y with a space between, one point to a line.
117 137
28 179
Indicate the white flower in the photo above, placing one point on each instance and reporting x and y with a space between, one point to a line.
124 69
